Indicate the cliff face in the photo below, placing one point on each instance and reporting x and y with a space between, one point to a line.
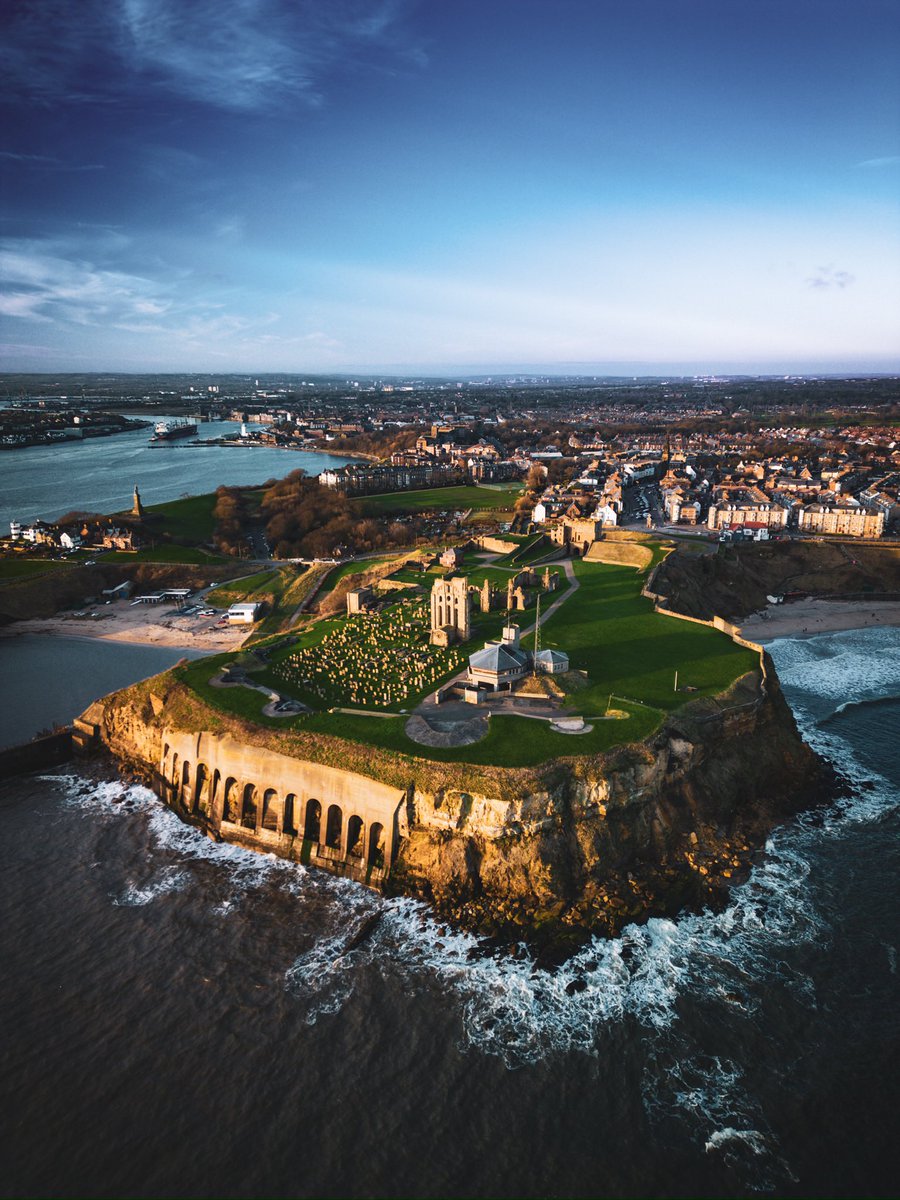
584 844
661 826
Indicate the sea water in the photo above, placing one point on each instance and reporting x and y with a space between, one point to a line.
187 1018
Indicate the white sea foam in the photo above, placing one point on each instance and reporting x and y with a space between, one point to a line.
752 1138
855 665
165 882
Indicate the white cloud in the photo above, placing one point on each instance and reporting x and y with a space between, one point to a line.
828 277
58 283
889 160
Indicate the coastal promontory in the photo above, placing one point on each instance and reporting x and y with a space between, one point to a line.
642 796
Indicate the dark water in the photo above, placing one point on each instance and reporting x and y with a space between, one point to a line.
50 680
182 1019
97 475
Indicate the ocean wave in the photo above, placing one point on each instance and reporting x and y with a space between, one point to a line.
163 884
866 702
831 669
322 978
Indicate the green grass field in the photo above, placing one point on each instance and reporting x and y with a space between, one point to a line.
511 742
538 548
336 574
251 587
189 518
282 587
25 568
609 631
438 498
167 553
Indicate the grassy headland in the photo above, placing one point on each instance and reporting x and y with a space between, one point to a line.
618 648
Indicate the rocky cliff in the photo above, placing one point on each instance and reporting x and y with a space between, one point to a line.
583 844
735 581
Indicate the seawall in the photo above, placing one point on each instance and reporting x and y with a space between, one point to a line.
47 751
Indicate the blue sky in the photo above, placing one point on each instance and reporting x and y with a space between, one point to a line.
393 185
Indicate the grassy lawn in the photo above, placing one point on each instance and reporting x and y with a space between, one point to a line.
25 568
606 627
169 553
539 548
533 546
442 498
290 586
282 588
251 587
190 518
489 518
352 568
609 630
511 742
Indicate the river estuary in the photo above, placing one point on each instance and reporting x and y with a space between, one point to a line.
98 474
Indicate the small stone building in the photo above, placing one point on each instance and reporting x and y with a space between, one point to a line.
359 600
500 664
551 662
452 558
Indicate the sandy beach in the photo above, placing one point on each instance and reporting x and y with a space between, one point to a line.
143 624
807 617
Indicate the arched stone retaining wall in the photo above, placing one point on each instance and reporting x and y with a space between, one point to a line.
344 822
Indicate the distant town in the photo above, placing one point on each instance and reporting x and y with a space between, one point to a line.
726 458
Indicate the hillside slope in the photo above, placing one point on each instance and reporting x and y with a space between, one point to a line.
735 582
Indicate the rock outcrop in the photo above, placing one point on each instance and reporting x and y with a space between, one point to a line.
737 580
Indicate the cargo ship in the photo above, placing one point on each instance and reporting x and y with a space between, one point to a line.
167 431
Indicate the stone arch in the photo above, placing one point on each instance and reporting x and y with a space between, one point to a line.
175 771
376 846
231 809
270 810
201 789
249 806
184 790
333 827
214 790
289 821
312 826
356 837
165 757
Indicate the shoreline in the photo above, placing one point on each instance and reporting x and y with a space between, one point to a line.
199 642
807 618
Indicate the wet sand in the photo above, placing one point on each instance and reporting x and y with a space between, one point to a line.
143 624
807 617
